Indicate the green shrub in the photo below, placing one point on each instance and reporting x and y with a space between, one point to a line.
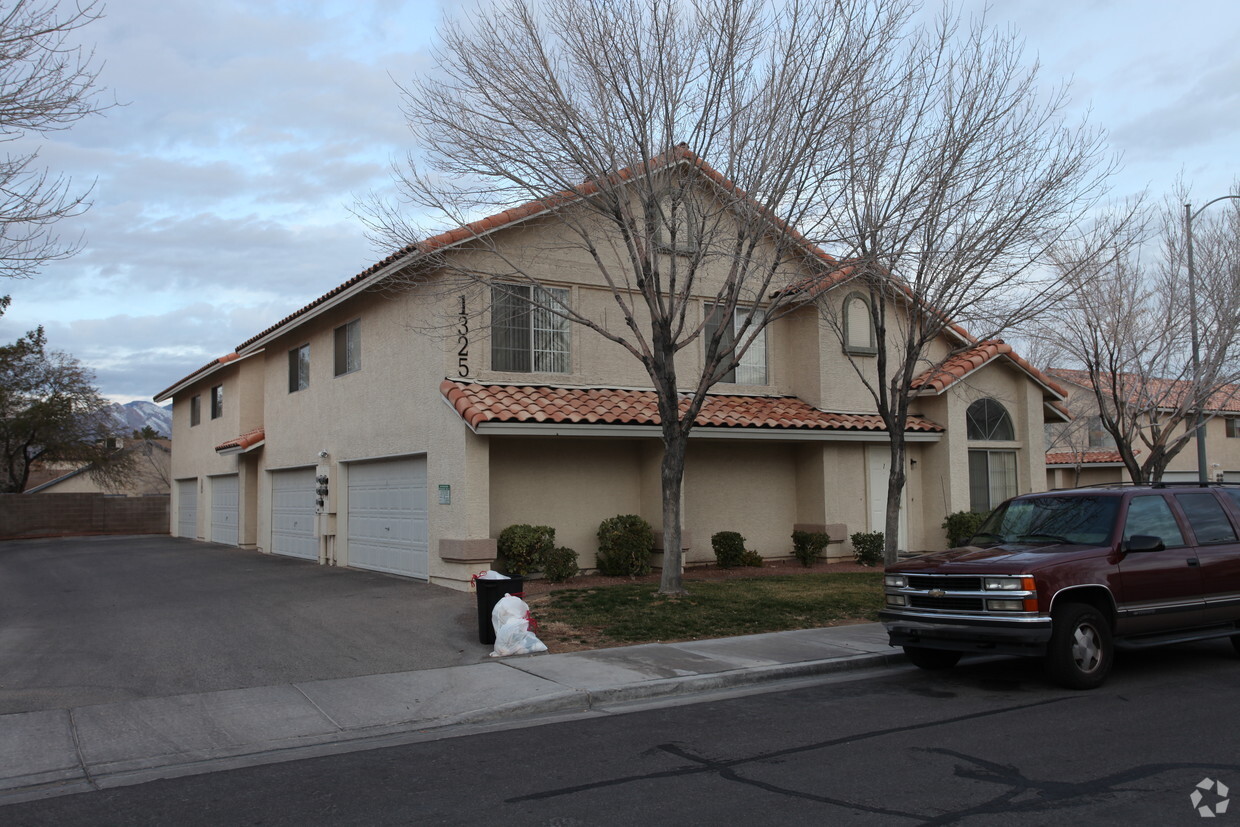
962 525
729 548
752 559
624 546
559 564
868 547
524 547
807 546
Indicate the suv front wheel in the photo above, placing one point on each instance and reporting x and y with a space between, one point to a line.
1080 652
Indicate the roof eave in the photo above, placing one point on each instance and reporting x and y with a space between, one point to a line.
198 375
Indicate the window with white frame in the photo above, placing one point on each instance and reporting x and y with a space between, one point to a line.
858 326
527 335
348 347
299 368
992 470
752 367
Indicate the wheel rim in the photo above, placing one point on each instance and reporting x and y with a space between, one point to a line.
1086 648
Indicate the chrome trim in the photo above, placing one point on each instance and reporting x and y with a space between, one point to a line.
1015 617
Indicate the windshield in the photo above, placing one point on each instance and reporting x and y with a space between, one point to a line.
1050 520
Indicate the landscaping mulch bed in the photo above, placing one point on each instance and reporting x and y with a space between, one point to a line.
698 574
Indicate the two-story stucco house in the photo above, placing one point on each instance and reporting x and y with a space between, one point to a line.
1084 453
347 434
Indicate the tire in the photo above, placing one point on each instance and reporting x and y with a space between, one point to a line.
1080 653
931 658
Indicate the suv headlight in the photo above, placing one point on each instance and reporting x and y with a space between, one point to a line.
895 581
1007 584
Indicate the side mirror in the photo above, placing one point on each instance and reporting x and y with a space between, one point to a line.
1144 542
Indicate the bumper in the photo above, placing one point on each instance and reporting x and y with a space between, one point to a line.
961 634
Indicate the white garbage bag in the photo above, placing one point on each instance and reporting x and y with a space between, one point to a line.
510 617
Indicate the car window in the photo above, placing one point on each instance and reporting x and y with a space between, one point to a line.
1151 514
1076 520
1207 518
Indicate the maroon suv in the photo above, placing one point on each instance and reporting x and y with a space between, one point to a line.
1071 575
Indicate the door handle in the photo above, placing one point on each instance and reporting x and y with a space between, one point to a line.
1192 561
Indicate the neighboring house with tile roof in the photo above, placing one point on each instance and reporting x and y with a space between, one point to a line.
1082 452
151 473
346 433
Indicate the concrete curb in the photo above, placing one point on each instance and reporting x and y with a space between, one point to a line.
87 775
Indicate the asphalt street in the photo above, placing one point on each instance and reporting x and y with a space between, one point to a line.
984 743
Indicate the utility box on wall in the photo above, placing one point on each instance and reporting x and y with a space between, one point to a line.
324 499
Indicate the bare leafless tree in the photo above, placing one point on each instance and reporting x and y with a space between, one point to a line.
605 114
47 83
957 186
1127 333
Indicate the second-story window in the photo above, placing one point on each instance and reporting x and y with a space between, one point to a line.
195 410
217 401
526 336
348 345
1233 427
858 326
299 369
752 367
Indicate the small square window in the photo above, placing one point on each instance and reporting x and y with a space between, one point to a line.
217 401
1233 427
195 411
299 369
348 344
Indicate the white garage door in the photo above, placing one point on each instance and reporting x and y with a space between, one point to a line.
387 516
187 508
225 505
292 514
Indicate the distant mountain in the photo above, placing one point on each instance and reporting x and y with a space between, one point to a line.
134 416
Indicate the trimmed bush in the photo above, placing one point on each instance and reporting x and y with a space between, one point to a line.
807 546
559 564
729 549
868 547
752 559
624 546
524 547
963 525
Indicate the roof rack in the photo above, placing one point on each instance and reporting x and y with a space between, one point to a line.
1163 484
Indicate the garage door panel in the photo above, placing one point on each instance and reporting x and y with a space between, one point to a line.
225 508
187 508
292 514
387 517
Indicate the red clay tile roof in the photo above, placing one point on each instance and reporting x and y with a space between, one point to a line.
678 154
1167 392
479 404
937 380
1087 458
245 442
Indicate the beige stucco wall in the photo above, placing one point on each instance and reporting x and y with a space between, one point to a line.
392 407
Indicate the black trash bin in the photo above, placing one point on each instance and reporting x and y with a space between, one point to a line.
489 593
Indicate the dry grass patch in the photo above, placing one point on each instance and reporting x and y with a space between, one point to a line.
618 615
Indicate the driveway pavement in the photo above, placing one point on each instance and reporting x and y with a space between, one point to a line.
96 620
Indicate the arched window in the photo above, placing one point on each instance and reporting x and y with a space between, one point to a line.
858 325
992 473
988 420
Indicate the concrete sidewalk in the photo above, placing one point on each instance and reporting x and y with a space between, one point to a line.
62 751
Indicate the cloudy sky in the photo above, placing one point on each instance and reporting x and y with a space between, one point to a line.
222 186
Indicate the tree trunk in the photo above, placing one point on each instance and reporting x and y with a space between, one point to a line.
673 477
895 488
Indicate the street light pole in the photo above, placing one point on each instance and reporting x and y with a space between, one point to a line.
1189 215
